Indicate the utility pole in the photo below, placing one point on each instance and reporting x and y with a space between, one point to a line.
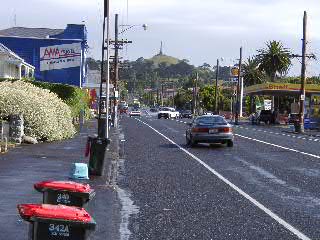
300 127
116 72
238 90
173 88
303 75
103 130
195 86
216 89
161 94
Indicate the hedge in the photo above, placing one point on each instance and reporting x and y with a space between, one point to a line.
75 97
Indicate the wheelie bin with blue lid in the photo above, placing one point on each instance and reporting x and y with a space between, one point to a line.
65 192
57 222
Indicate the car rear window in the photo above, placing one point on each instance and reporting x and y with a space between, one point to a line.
216 120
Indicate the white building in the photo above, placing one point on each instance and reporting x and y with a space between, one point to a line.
12 66
93 82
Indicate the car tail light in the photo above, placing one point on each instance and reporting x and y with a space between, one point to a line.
225 130
200 130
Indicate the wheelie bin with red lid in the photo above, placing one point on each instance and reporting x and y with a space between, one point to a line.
65 192
57 222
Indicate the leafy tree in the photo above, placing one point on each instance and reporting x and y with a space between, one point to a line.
207 97
274 59
183 98
92 64
251 72
205 66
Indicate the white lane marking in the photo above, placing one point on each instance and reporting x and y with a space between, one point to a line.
234 187
278 146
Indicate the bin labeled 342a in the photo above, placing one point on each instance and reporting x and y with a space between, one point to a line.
57 222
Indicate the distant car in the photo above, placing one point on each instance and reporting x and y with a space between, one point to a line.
266 116
168 112
186 114
153 110
135 113
209 113
209 129
123 110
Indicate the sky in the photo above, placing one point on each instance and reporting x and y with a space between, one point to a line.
201 31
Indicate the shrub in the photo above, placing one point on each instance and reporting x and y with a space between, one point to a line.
75 97
46 116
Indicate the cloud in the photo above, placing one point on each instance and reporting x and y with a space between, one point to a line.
200 30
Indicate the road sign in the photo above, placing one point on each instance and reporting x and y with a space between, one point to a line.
234 71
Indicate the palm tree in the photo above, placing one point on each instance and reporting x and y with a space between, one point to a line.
274 59
251 72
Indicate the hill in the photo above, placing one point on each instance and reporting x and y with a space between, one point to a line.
161 58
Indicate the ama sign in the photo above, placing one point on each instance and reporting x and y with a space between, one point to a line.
60 56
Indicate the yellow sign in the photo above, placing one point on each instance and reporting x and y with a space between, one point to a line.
235 71
290 87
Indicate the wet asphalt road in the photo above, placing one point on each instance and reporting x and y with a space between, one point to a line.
178 197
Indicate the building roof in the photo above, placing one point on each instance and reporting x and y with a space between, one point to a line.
7 51
30 32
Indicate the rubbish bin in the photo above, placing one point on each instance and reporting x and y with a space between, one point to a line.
65 192
297 126
97 150
57 222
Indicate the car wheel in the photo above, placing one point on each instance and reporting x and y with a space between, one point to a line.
188 141
193 143
230 143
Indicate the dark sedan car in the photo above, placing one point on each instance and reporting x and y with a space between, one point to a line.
186 114
209 129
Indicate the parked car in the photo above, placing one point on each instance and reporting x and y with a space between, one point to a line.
209 129
266 116
186 114
135 113
168 112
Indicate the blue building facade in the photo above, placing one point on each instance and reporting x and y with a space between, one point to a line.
59 55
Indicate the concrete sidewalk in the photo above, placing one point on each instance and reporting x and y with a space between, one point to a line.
25 165
284 128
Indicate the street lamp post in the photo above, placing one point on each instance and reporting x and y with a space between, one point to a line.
216 89
238 91
117 45
99 144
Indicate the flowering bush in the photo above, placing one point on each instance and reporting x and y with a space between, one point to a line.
46 116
